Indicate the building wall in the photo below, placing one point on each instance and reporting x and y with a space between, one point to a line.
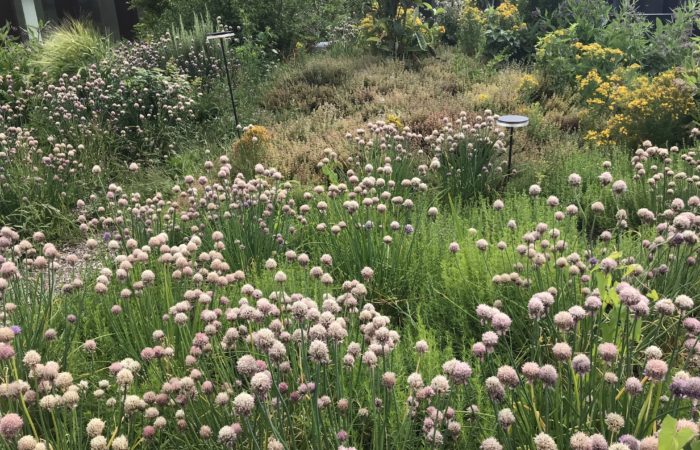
112 17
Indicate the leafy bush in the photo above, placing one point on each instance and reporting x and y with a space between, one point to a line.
563 59
655 47
15 57
471 25
70 48
626 30
589 16
671 43
400 31
287 23
504 31
625 107
450 17
602 56
295 23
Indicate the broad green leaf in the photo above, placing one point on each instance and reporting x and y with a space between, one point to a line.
421 41
601 285
608 328
615 255
330 174
668 427
614 298
637 334
670 439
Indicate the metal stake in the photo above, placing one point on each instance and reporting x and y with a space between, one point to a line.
230 88
510 150
512 122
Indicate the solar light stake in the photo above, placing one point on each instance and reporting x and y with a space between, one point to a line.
510 149
512 122
221 36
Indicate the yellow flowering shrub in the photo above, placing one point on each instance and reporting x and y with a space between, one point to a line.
562 58
596 54
529 86
627 107
472 13
250 148
471 25
504 30
507 12
401 34
254 134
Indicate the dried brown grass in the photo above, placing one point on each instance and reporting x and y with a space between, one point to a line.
317 101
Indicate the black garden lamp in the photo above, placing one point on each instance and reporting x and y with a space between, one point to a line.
512 121
220 36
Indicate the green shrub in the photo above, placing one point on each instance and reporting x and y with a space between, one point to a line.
505 32
655 46
471 26
157 17
15 56
626 107
672 43
400 30
563 59
628 30
450 20
287 23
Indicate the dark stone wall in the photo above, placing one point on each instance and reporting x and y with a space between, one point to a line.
658 6
9 14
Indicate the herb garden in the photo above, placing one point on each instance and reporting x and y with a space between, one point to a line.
354 266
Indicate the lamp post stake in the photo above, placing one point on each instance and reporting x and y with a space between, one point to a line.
510 150
230 88
512 122
221 35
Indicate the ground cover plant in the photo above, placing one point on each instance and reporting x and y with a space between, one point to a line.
74 105
607 318
354 267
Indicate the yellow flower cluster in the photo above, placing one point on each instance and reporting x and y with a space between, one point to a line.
506 16
637 107
597 51
592 78
367 22
507 10
472 14
412 17
549 39
253 134
395 120
529 84
382 32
